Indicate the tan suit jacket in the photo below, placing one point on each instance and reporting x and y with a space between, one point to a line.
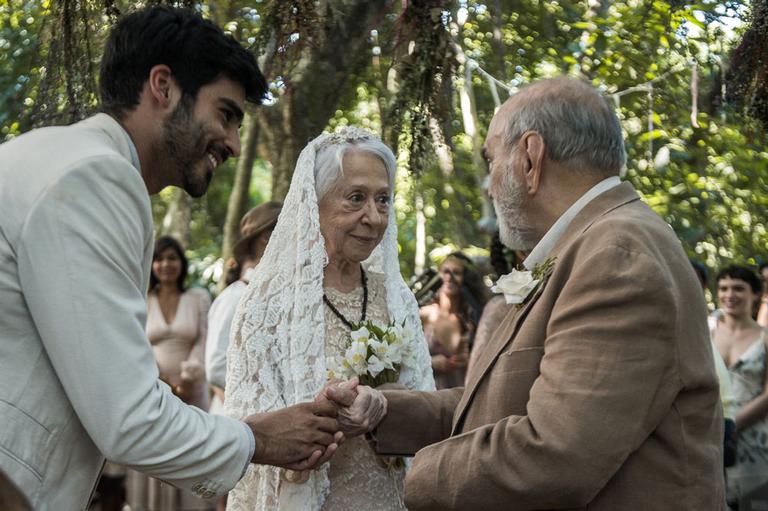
598 393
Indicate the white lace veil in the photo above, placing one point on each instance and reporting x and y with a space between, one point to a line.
276 354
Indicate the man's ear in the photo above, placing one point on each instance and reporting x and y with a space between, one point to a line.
161 86
533 151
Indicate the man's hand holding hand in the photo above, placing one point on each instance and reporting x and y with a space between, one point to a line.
299 437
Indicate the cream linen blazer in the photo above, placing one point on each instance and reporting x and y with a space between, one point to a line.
78 381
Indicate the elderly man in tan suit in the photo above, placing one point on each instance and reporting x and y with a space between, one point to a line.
598 390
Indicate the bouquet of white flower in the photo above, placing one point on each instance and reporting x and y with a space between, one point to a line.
376 354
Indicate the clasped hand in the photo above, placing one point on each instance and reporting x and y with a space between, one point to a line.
304 436
361 408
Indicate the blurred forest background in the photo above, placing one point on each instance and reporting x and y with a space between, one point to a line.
690 80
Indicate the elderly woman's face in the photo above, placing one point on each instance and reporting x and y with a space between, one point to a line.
355 212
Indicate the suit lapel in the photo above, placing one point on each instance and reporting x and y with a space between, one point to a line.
503 336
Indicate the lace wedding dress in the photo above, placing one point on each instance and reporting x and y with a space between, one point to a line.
282 333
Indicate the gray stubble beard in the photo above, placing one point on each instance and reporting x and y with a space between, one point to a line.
513 231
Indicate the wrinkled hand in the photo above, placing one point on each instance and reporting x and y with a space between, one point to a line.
363 414
344 392
300 437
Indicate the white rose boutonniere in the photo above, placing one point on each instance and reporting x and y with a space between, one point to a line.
516 286
519 284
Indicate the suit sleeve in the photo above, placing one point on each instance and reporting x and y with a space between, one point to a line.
607 378
80 259
415 419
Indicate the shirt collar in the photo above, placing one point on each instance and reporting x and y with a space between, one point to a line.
545 245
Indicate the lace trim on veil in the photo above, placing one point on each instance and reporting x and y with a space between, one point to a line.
276 355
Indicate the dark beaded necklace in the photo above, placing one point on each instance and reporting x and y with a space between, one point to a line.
339 315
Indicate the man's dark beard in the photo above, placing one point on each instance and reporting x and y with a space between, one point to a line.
184 147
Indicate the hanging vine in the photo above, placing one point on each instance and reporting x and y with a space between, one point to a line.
67 90
425 64
286 28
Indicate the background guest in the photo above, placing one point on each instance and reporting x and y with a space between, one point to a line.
450 323
177 321
742 344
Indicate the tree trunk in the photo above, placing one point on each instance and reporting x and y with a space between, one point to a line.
497 41
239 198
176 220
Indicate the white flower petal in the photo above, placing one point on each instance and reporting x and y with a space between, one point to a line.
375 366
361 334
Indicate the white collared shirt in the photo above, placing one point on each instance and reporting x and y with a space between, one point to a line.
542 249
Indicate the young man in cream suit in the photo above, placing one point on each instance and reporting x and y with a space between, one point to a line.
598 390
78 380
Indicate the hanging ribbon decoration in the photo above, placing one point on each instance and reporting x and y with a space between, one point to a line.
694 95
494 94
472 63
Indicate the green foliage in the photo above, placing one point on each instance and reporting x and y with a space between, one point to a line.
21 24
709 182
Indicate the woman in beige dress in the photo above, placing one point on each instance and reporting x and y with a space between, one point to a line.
176 328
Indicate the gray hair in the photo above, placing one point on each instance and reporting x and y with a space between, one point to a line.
329 168
578 125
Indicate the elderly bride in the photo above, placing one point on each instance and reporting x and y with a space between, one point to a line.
331 265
